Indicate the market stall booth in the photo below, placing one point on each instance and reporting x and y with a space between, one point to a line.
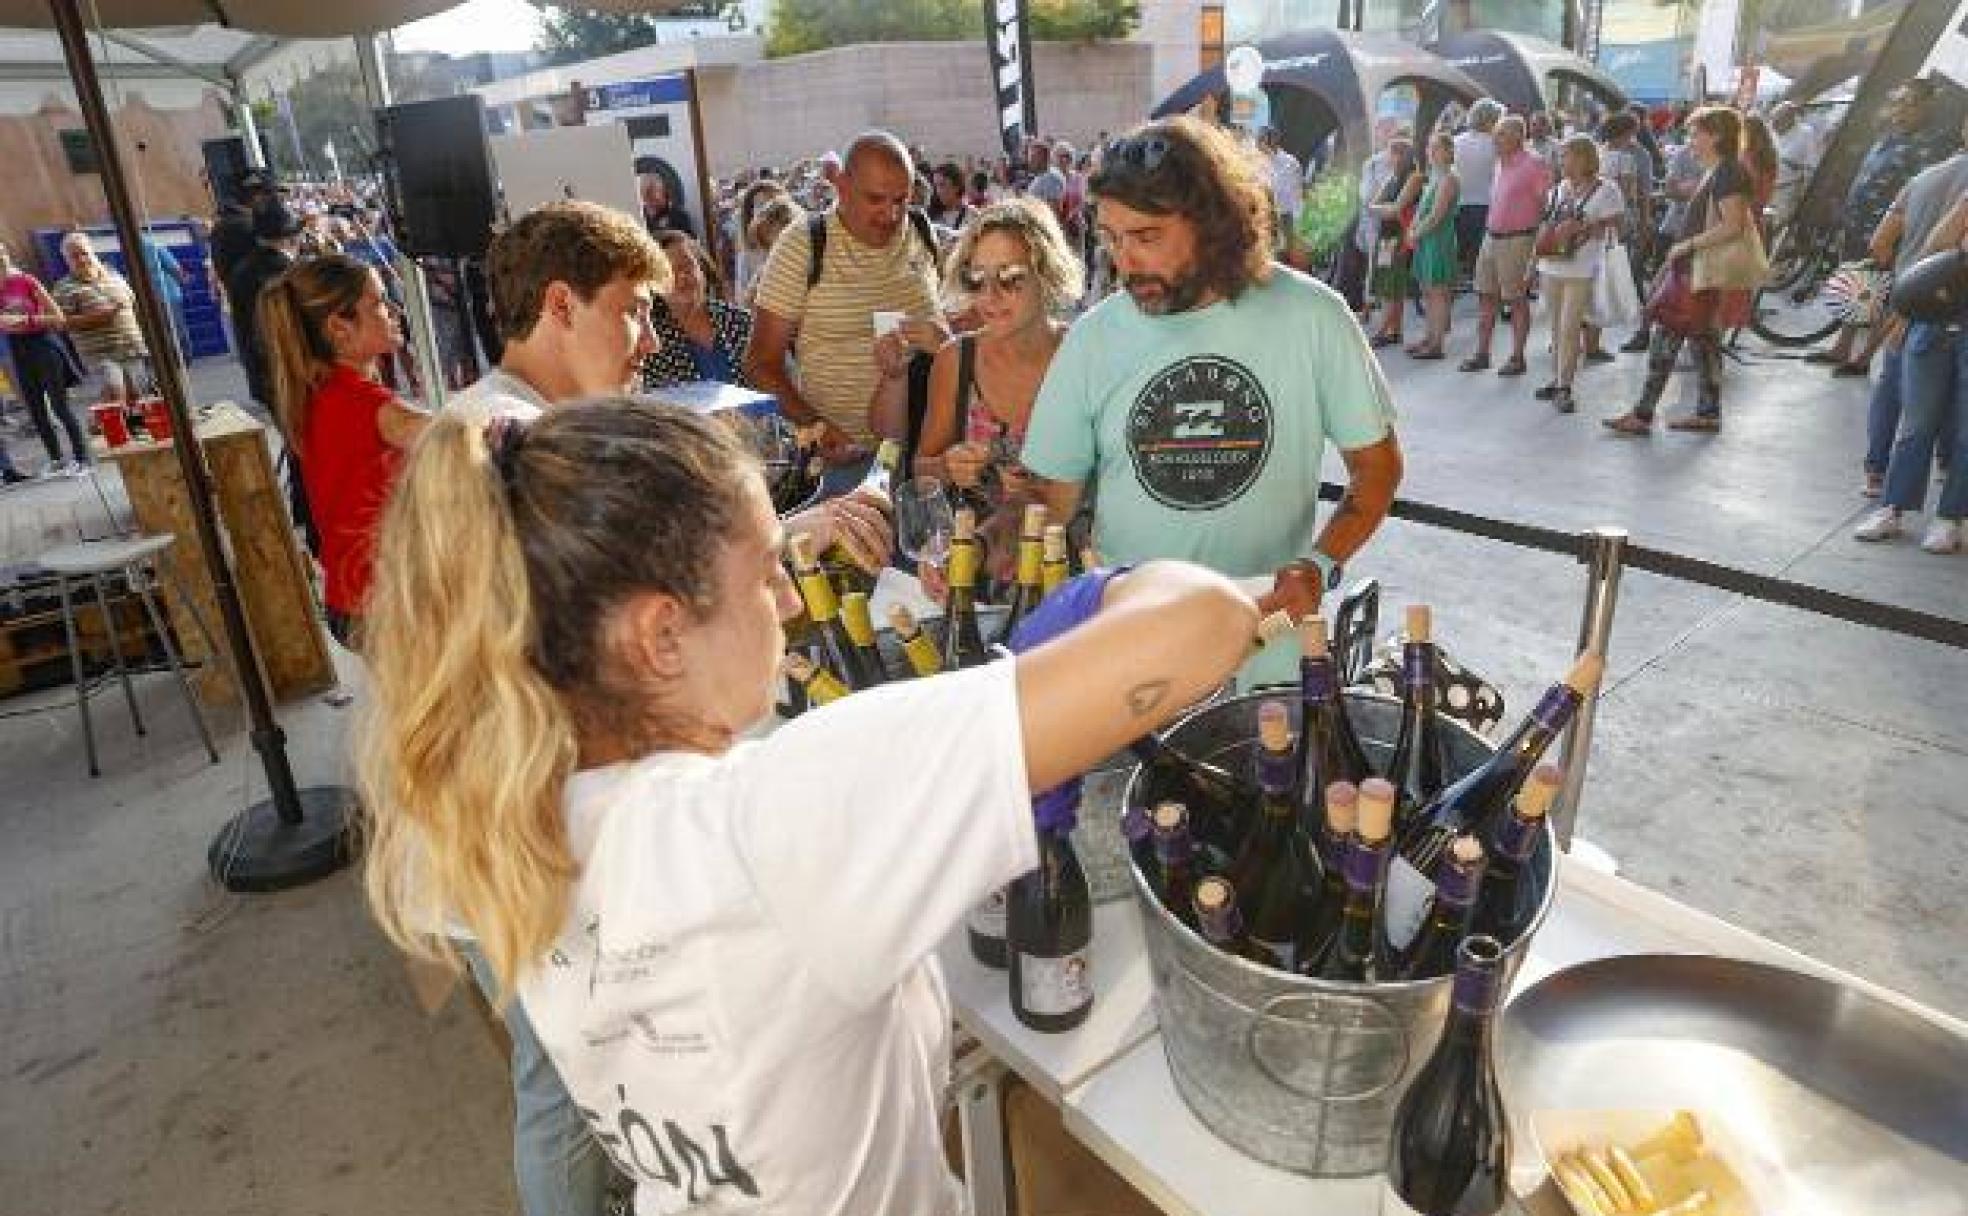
1526 73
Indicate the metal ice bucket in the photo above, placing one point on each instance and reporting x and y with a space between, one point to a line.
1300 1073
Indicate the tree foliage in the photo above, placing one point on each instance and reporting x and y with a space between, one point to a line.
799 26
330 105
569 35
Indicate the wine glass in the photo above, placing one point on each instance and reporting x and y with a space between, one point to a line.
924 520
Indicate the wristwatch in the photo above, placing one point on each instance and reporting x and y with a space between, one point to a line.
1330 571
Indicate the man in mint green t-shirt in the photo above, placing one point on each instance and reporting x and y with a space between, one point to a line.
1199 402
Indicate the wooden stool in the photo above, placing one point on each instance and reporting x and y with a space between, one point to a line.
87 564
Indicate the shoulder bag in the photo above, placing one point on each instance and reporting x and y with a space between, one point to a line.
1934 289
1740 264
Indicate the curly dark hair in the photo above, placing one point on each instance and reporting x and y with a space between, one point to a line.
1183 166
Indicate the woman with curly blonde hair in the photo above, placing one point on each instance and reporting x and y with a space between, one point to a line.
1016 276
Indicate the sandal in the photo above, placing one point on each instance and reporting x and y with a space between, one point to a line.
1599 356
1474 363
1562 400
1629 423
1852 369
1706 423
1379 341
1549 392
1427 352
1513 366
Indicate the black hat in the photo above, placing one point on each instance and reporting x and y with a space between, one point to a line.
274 221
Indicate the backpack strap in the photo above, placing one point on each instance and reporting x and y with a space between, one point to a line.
926 233
816 248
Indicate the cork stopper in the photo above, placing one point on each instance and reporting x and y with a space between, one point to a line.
799 546
1466 851
903 621
1212 895
1534 800
1273 627
1420 623
1055 543
1376 810
1169 816
966 524
1035 521
1274 726
1312 637
1586 672
1342 808
798 668
1089 558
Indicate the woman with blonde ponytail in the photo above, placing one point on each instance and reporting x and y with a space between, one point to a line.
325 325
725 947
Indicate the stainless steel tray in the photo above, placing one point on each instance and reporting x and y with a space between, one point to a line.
1862 1106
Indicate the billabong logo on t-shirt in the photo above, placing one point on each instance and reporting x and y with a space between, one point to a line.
1199 433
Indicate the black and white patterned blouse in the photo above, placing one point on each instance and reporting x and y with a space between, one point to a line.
731 329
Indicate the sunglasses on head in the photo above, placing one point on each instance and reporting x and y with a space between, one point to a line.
1145 152
1009 279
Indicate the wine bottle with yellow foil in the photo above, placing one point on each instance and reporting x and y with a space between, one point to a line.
821 686
1028 587
828 633
963 640
860 625
1055 564
916 646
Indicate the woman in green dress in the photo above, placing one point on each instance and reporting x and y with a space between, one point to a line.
1434 239
1389 281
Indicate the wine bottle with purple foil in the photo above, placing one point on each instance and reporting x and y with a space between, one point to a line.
1457 881
1420 747
1219 803
1221 923
1331 843
1479 802
1349 954
1449 1152
1175 860
1049 923
1270 872
1509 898
1328 749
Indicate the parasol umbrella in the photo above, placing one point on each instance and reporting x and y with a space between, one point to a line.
297 835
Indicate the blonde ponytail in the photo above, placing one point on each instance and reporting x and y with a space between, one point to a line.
466 747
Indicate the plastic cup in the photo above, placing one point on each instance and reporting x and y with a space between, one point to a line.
110 421
157 419
887 323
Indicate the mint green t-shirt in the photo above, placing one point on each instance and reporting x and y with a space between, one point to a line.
1203 431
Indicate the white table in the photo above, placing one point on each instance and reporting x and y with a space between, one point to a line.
1121 1102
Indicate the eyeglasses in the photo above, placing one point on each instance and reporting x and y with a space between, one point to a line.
1145 153
1010 280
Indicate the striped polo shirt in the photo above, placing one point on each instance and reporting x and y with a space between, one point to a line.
835 353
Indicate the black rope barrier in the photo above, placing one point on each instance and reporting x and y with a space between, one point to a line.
1891 618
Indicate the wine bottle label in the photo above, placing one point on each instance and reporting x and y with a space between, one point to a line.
1055 986
1404 909
1515 838
1391 1203
987 919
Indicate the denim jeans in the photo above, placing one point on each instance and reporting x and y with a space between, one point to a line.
560 1169
1933 391
1883 413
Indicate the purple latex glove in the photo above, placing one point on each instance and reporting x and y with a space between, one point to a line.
1057 810
1076 600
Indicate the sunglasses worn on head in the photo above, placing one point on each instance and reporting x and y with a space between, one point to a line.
1146 153
1009 279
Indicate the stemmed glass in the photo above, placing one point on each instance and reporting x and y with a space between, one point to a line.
924 521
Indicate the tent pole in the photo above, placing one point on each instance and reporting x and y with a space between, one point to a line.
294 837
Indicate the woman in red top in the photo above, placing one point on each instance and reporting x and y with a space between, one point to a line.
326 323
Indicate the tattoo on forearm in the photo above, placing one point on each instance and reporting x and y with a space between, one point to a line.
1143 699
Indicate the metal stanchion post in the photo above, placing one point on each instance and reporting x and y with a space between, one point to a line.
1604 556
423 330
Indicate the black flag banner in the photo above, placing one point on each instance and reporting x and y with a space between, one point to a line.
1009 37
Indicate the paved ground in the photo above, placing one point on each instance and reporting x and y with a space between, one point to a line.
171 1049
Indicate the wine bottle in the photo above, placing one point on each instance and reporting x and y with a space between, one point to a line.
963 643
837 650
1509 900
1175 860
1055 567
1419 747
1049 924
1332 842
880 478
1219 921
985 926
1218 802
1269 872
1457 881
916 647
1479 802
822 687
1449 1153
860 626
1328 750
1028 587
1350 952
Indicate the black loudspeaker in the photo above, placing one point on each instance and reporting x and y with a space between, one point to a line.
225 164
440 169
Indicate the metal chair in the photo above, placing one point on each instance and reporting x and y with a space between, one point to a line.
87 565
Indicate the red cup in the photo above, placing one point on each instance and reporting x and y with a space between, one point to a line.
157 419
110 421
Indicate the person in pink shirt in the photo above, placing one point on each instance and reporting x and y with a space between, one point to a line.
1506 262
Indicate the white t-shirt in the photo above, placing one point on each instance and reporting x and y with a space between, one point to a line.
743 1003
1603 203
1476 162
497 394
1287 183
